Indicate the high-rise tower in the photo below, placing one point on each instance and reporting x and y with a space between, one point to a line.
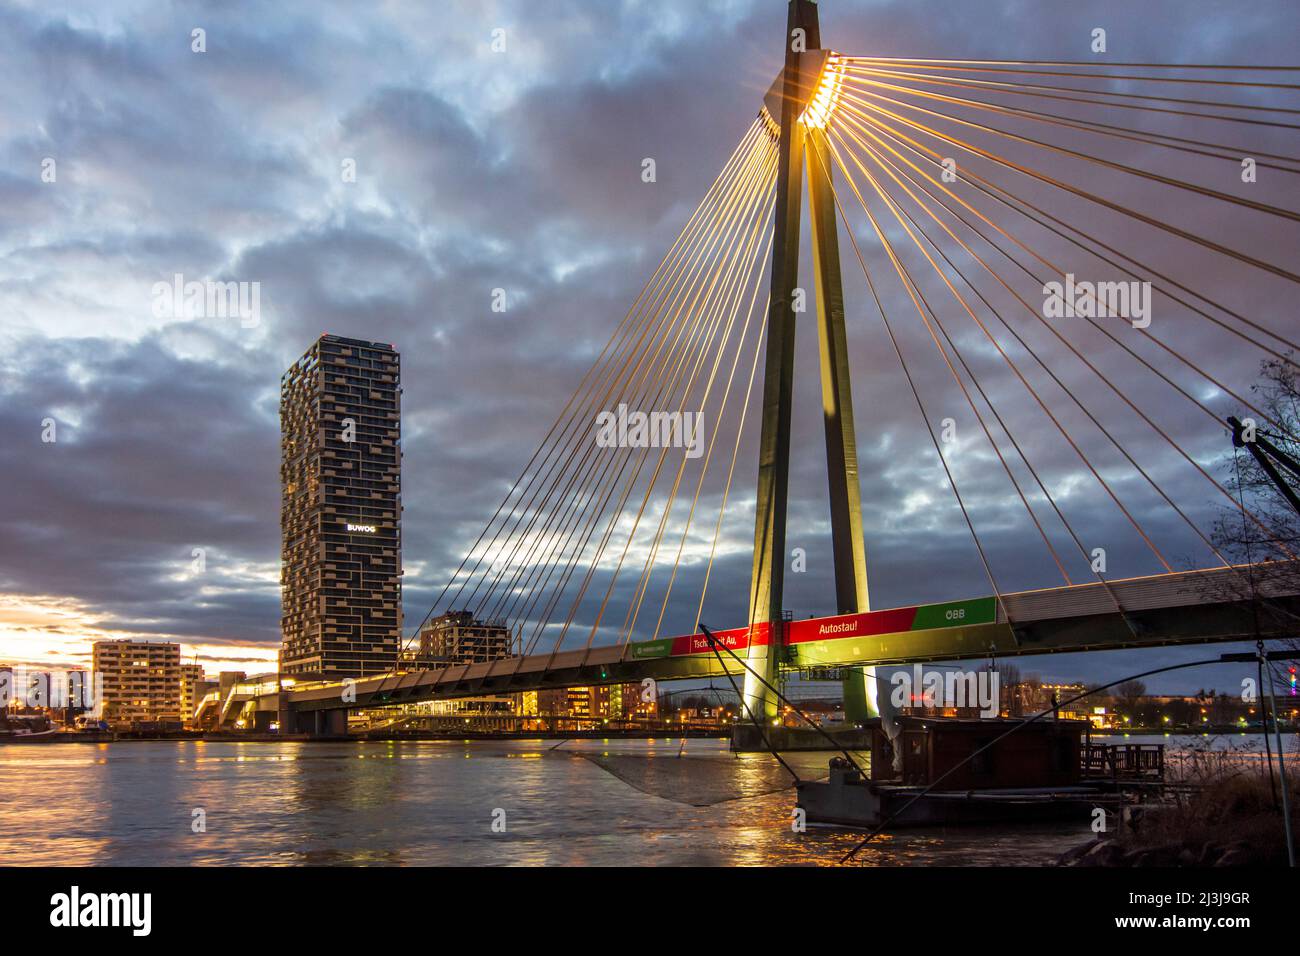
340 511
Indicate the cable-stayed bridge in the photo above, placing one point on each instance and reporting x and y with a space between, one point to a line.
1046 240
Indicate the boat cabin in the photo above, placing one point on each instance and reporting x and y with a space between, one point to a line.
1045 753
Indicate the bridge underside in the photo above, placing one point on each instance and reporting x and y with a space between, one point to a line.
1170 609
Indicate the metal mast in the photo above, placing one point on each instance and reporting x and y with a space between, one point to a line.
765 602
800 144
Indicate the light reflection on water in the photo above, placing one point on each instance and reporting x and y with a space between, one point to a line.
616 802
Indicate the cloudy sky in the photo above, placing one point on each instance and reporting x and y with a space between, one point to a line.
520 169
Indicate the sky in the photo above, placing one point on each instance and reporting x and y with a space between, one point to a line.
512 165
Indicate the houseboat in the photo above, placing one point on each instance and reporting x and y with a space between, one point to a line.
26 729
965 771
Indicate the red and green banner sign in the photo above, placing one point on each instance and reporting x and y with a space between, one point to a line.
899 620
736 639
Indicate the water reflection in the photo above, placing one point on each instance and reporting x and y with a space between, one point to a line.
616 802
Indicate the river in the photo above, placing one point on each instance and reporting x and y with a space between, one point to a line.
518 802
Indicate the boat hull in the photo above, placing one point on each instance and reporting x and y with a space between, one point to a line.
863 804
37 737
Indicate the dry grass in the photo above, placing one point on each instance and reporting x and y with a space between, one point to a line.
1222 806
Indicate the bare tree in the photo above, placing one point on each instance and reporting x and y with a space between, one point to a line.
1263 531
1270 531
1131 690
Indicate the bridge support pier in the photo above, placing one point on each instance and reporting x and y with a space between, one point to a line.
315 723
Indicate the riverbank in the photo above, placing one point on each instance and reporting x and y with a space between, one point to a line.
1224 819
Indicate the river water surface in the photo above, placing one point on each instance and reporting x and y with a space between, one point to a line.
616 802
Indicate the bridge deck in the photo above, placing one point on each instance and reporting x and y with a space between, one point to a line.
1178 608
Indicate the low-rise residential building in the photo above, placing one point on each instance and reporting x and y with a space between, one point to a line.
142 680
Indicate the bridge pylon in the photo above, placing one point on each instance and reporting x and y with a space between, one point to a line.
804 144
